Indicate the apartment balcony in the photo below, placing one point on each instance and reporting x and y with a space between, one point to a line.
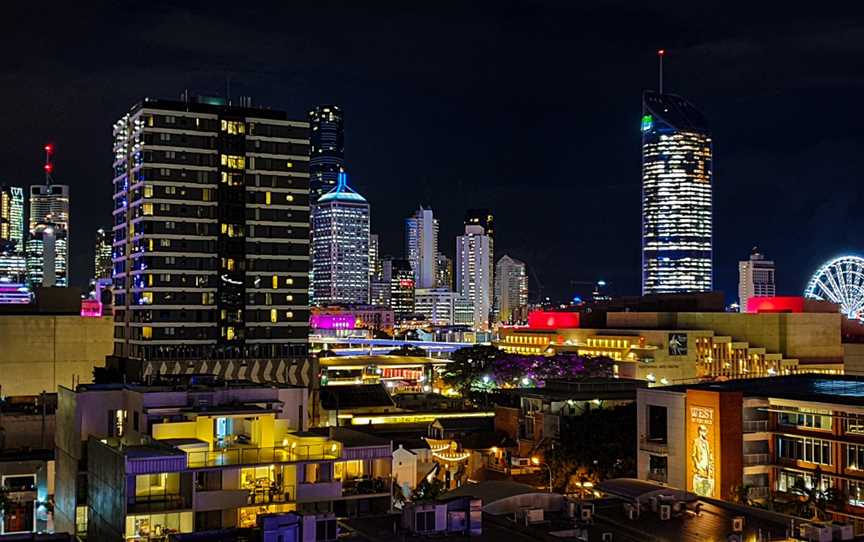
755 426
759 492
654 446
366 486
752 460
658 475
221 499
320 491
154 504
263 456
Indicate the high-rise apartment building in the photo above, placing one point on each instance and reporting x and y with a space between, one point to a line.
444 272
48 241
12 218
211 233
481 217
755 278
421 247
327 149
511 290
102 264
676 196
474 272
438 305
340 246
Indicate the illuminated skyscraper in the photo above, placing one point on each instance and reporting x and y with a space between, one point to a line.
102 264
444 272
374 257
327 150
676 196
401 288
211 232
511 290
12 218
474 272
421 246
48 241
340 246
755 278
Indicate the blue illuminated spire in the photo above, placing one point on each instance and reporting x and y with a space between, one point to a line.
342 192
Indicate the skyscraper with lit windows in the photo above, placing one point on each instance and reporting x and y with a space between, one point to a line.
340 246
12 217
474 272
327 149
211 236
48 239
676 196
421 246
102 255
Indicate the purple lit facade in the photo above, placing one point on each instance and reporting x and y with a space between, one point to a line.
333 321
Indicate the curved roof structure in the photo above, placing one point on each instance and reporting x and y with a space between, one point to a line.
641 491
506 497
342 192
674 112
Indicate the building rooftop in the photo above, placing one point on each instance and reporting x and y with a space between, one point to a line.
840 389
342 192
355 396
350 438
674 111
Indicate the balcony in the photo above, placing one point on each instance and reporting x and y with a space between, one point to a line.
654 446
263 456
759 492
658 475
751 460
366 486
221 499
319 491
154 504
755 426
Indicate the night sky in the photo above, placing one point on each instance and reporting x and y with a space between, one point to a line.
530 108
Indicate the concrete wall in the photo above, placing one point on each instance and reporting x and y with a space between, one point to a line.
675 433
39 352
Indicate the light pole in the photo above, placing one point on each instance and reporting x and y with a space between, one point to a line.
536 461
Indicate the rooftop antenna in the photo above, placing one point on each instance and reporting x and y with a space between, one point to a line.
660 54
49 166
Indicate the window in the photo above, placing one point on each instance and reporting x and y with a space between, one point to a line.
148 191
807 449
233 127
147 209
657 424
273 316
205 194
116 422
164 136
171 190
267 198
289 197
165 243
135 420
147 299
169 225
146 332
289 315
855 456
233 162
815 419
275 281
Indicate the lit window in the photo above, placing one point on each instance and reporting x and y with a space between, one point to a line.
273 316
146 298
289 197
233 127
233 162
148 191
275 281
230 264
229 334
289 164
267 198
146 332
289 281
147 209
289 315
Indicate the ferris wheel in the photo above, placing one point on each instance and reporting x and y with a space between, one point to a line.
840 281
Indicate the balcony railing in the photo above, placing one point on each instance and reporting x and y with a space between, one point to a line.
755 426
162 503
366 486
272 494
756 459
261 456
656 446
759 492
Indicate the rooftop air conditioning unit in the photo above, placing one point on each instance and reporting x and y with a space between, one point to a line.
665 512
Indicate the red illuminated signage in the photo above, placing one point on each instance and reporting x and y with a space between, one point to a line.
775 304
91 308
553 320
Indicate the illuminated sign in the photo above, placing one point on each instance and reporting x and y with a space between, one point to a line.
647 122
677 344
553 320
701 443
333 321
775 304
90 308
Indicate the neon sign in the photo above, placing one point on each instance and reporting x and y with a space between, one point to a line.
647 122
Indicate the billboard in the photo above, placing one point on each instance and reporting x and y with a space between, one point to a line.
677 344
702 450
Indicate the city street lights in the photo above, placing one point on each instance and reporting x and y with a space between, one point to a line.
536 461
584 486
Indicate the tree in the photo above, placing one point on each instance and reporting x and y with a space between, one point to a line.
815 500
408 350
428 491
468 365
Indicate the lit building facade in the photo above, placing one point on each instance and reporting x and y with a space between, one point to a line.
401 288
340 246
755 278
421 247
474 272
438 305
766 435
12 218
511 290
211 233
374 257
444 272
102 254
327 149
48 241
676 197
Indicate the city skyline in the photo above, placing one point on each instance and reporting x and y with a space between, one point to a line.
759 94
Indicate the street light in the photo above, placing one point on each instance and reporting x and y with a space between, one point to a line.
536 461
